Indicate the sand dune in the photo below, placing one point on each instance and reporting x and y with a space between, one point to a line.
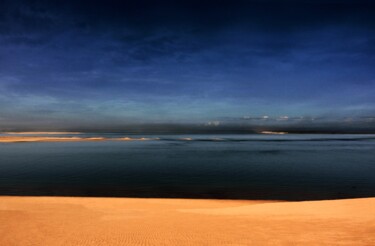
125 221
351 209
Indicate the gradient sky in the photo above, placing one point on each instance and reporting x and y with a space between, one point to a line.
104 64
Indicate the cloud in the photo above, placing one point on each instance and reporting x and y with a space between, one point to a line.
147 61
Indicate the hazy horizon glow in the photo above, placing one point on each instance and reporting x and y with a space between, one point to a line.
113 65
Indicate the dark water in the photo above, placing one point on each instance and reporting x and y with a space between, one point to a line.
287 167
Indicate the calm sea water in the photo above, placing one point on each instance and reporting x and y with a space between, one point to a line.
287 167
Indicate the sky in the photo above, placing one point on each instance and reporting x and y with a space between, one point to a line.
112 65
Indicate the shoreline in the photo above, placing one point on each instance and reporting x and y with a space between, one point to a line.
150 221
76 138
31 139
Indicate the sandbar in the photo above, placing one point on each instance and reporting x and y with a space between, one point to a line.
139 221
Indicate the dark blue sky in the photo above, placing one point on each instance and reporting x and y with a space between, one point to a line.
107 64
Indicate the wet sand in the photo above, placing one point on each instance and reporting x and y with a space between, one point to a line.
128 221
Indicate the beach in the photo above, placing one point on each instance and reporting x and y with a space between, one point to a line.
176 123
134 221
25 139
20 139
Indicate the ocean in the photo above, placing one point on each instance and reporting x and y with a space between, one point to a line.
254 166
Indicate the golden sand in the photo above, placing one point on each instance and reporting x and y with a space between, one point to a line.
126 221
40 133
16 139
